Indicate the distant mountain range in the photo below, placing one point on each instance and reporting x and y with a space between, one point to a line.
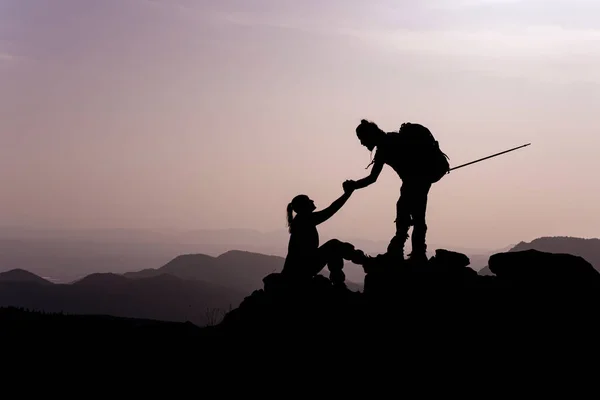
191 287
22 276
163 297
241 270
63 256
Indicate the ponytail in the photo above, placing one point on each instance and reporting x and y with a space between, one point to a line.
290 216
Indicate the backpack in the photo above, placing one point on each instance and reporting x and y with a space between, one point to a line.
432 161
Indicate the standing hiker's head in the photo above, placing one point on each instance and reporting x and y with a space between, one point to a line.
369 134
301 204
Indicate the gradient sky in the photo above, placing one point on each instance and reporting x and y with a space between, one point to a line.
214 114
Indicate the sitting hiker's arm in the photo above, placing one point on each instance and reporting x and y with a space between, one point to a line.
372 178
319 217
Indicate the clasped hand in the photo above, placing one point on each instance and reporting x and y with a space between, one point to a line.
349 186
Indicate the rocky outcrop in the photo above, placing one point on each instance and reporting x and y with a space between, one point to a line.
442 295
536 268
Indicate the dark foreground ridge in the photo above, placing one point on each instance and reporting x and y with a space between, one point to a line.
441 298
69 327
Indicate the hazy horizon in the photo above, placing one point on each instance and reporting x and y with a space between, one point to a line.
202 115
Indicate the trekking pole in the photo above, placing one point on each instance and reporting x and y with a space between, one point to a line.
485 158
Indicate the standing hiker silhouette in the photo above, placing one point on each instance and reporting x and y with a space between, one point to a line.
414 154
305 258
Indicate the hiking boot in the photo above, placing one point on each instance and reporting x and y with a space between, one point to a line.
396 245
395 249
395 257
383 262
367 264
337 277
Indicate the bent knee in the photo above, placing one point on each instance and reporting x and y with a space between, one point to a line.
419 224
338 245
333 242
404 220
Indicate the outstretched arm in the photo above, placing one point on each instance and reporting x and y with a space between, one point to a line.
372 178
323 215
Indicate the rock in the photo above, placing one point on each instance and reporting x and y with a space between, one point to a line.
451 258
452 267
421 297
447 268
274 282
533 267
285 305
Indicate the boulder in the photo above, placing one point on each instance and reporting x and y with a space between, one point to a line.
533 267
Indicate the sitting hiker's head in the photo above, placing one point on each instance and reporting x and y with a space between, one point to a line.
300 204
368 133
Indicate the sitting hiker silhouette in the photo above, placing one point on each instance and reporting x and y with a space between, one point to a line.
305 258
416 157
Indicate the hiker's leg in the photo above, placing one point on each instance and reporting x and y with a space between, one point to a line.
418 208
403 222
333 253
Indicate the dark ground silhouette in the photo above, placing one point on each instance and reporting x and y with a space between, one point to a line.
49 325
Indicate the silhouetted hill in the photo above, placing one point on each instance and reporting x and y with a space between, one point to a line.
102 279
20 275
236 269
586 248
162 297
240 270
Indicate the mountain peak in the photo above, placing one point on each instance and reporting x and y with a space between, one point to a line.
21 275
245 253
106 278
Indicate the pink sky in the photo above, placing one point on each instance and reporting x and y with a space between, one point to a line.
214 114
